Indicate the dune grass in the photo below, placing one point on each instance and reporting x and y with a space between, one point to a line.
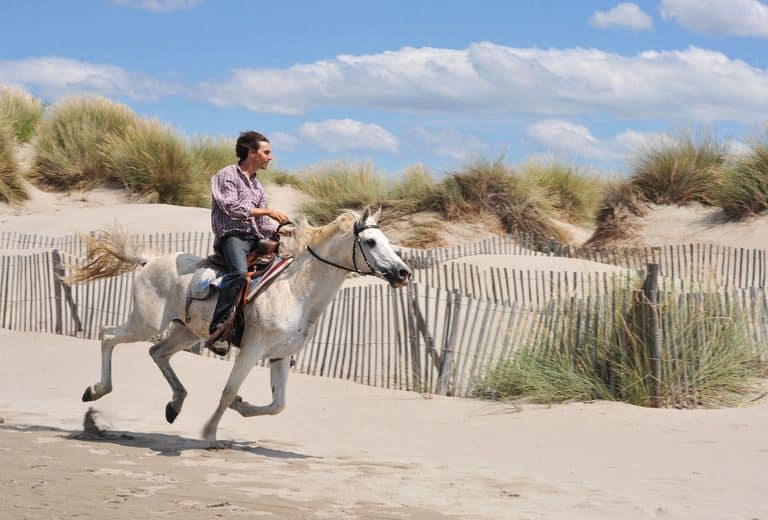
743 189
151 160
11 189
708 359
21 112
679 171
574 195
494 188
69 145
337 186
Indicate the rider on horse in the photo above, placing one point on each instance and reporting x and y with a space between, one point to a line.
239 218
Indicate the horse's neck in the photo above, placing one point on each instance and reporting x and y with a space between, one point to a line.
317 281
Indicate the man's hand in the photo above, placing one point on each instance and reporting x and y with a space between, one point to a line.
281 217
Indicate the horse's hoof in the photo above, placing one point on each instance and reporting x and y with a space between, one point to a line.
171 413
87 395
219 445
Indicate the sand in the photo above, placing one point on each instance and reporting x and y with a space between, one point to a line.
696 223
342 450
339 450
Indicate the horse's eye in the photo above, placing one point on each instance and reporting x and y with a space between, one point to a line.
371 242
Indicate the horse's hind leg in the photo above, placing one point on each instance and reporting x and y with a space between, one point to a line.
110 337
278 371
179 338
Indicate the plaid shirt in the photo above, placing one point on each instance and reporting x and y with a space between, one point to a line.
233 195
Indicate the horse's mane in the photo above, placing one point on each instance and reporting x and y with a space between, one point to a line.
306 235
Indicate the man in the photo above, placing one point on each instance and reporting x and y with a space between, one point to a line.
239 218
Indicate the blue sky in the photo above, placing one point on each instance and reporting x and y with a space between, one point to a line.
398 83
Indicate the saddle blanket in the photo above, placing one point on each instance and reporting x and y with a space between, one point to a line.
205 279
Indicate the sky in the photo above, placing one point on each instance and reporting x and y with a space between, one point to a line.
398 83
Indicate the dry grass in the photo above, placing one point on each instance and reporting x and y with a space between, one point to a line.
68 148
21 112
679 171
151 160
743 189
11 188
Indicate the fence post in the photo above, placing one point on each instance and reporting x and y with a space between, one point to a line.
58 272
446 361
651 293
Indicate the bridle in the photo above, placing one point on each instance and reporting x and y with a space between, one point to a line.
359 228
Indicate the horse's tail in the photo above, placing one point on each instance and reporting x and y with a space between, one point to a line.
109 254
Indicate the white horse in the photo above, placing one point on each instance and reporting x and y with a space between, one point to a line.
277 324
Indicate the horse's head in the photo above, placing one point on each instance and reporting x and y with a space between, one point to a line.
377 252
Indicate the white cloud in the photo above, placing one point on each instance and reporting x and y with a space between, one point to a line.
283 141
449 142
736 17
334 135
54 77
573 140
692 84
622 15
160 5
567 138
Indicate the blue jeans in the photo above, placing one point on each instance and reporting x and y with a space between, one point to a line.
234 249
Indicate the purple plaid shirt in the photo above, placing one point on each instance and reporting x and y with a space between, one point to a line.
233 196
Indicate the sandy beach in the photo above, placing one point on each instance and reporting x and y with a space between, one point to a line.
342 450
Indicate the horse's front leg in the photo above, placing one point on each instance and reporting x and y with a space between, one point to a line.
278 369
245 361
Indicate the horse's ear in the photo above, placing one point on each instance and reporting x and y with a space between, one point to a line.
366 214
377 214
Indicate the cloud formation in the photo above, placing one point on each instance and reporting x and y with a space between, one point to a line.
335 135
622 15
54 77
692 84
735 17
573 140
160 5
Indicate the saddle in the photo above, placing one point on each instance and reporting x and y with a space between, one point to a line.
258 259
260 263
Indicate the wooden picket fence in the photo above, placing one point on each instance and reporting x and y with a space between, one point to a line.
445 331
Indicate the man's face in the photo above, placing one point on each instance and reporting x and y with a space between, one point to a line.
262 156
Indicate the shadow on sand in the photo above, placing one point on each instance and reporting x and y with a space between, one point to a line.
160 443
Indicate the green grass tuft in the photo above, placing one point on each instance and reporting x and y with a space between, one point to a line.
744 187
340 186
574 195
11 188
68 150
21 112
150 159
679 171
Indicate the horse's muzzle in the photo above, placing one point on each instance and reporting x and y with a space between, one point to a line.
399 276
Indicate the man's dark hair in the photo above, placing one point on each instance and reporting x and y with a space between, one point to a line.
246 141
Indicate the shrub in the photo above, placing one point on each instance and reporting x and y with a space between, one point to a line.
744 187
341 186
679 171
151 160
492 187
574 195
615 217
11 188
708 358
21 112
68 150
